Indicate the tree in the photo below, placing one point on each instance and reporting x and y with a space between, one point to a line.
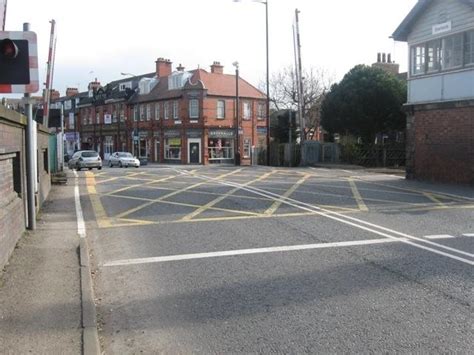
367 101
284 96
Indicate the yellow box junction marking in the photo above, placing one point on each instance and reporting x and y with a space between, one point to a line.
126 213
357 196
271 210
99 211
224 196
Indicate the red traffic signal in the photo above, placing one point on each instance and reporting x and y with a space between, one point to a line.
8 49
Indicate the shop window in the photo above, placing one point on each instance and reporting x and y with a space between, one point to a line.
247 148
220 149
173 148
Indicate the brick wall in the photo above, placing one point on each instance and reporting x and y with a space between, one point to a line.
12 158
441 143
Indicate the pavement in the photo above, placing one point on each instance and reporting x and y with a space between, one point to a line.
44 290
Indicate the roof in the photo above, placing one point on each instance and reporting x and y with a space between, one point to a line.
216 85
224 85
404 29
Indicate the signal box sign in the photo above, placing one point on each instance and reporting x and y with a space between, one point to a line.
18 62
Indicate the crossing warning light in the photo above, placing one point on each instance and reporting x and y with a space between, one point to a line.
18 62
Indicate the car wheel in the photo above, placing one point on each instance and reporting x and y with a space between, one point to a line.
78 168
90 168
136 166
100 168
110 164
120 164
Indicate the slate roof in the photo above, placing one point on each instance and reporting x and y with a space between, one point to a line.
404 29
216 84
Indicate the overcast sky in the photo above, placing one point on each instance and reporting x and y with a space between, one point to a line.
102 38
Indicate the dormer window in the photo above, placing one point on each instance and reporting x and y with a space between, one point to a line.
178 79
126 85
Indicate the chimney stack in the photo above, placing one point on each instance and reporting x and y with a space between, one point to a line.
93 85
180 67
71 92
217 68
163 67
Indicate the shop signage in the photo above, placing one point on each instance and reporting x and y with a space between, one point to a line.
172 133
174 141
194 133
107 118
441 27
221 133
71 136
261 130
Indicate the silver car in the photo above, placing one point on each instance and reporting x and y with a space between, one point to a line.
123 159
85 159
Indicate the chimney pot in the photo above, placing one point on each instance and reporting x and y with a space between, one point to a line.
383 58
389 58
379 57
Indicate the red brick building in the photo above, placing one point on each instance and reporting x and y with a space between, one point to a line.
186 117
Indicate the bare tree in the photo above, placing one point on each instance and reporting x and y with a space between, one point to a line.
283 93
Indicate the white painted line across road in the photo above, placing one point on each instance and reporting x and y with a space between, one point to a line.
468 235
439 236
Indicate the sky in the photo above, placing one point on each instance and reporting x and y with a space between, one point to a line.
103 38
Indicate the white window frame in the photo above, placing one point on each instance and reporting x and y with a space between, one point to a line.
176 110
148 112
247 115
220 109
193 108
157 111
166 109
247 147
261 111
142 112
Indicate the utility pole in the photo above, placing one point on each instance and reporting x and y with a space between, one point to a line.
299 83
30 156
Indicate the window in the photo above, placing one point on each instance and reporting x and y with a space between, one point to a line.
166 108
246 110
122 113
97 118
148 112
89 115
434 55
173 148
115 110
194 108
135 113
157 111
261 111
142 112
448 53
452 51
247 148
469 48
221 109
175 109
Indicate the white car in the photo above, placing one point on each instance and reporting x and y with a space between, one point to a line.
123 159
85 159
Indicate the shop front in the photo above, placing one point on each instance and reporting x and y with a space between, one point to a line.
220 145
172 146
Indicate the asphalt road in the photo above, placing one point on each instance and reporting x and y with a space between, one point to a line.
259 259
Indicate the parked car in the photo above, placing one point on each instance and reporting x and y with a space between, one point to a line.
85 159
123 159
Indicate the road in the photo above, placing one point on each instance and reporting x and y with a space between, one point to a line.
260 259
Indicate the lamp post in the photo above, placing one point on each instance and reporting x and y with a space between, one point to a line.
265 2
237 125
137 126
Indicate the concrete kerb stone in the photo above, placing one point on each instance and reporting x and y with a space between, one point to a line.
90 335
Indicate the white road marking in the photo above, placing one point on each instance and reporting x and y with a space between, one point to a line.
160 259
345 219
468 235
439 236
81 226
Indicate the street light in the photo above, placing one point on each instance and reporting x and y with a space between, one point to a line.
237 125
265 2
137 126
